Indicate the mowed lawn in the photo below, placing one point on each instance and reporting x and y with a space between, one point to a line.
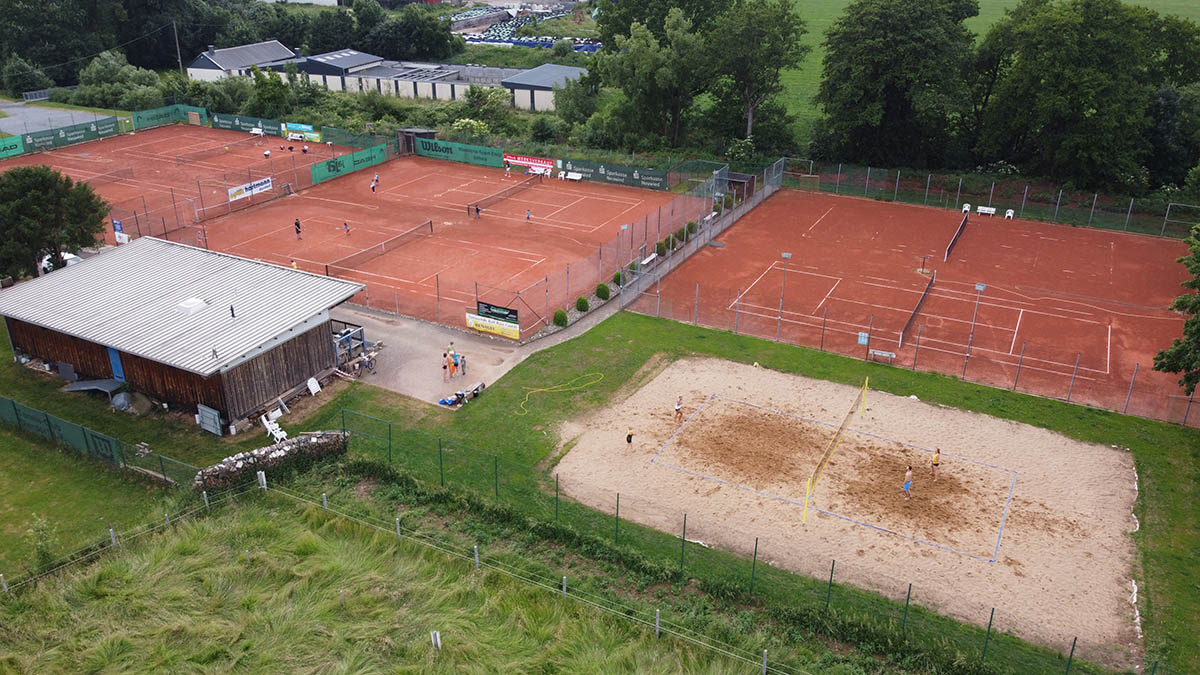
79 499
801 85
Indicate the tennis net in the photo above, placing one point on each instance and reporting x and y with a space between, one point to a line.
354 260
504 194
204 153
111 177
957 234
917 309
860 404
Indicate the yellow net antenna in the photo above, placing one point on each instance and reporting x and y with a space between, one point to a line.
859 406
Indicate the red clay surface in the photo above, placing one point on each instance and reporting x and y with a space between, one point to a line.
434 277
1057 294
163 198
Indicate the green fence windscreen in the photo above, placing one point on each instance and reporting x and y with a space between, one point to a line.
246 123
618 174
12 146
156 117
340 166
460 152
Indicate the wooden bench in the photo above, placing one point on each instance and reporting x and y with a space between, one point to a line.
880 354
986 210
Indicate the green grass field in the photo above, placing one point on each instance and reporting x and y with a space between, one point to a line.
188 600
79 499
800 85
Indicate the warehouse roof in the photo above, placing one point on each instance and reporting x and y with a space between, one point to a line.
171 303
244 56
546 77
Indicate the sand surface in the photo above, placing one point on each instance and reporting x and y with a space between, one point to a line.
1021 519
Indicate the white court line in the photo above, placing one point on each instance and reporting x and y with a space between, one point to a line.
752 284
835 285
565 206
810 227
1015 331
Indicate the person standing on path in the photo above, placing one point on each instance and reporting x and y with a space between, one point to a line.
297 224
937 460
452 361
679 410
908 484
462 363
445 368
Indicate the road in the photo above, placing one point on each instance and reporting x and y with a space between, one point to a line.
22 118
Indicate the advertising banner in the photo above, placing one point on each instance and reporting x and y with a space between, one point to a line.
249 189
618 174
306 131
12 146
246 123
539 162
487 309
460 152
489 325
155 117
340 166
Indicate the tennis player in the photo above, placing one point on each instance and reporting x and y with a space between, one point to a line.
346 226
297 224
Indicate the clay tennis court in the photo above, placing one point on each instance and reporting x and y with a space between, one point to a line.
437 272
154 193
1021 519
1065 312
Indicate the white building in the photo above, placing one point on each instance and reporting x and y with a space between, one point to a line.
216 64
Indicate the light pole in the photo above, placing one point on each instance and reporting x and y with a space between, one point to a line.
786 257
979 288
623 228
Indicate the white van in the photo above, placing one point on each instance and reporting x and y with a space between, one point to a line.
68 260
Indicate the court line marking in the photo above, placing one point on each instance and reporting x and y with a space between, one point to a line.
810 227
835 285
1018 329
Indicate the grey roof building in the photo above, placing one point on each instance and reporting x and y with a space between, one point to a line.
534 89
181 324
215 64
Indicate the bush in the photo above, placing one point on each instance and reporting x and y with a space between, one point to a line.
681 234
542 130
618 279
581 304
602 291
691 227
661 249
560 318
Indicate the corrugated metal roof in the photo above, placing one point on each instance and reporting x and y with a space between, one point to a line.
546 76
346 58
244 56
128 298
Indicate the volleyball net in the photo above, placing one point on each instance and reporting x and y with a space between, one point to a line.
859 406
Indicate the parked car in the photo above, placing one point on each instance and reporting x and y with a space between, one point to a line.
68 260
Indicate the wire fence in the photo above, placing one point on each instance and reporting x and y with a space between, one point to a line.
1156 215
684 544
95 445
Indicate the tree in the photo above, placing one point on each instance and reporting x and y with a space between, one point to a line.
367 15
617 17
659 80
1074 103
18 75
575 100
45 213
755 40
1183 356
892 84
330 31
271 96
415 34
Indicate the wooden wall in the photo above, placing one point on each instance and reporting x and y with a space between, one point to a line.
90 360
255 383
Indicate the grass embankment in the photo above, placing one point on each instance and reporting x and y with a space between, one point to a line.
188 599
80 500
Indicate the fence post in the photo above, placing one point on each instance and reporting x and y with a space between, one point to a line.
476 553
167 516
162 469
564 586
1024 196
682 543
567 290
896 192
1056 205
1130 394
967 356
917 353
987 638
1187 411
1071 657
1128 214
992 193
904 622
958 194
617 522
556 498
390 438
205 495
696 309
838 185
737 310
870 329
824 320
658 295
1020 361
343 420
867 185
657 629
753 565
928 178
324 501
1073 374
764 668
441 465
779 319
1095 196
829 589
113 537
4 584
397 528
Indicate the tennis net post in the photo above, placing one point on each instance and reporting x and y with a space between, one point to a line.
859 406
504 194
353 260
